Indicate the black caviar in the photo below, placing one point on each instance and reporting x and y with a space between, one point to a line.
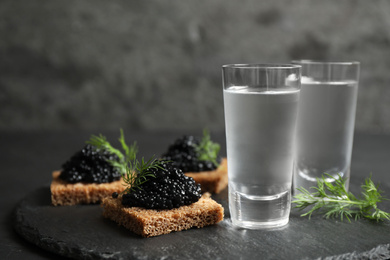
169 189
90 165
183 154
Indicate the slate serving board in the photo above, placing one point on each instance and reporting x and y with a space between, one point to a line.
81 232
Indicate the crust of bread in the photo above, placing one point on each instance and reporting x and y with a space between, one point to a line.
151 222
63 193
212 181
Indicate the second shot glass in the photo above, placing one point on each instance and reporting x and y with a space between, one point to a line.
326 120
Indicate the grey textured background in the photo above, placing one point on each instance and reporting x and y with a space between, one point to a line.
147 65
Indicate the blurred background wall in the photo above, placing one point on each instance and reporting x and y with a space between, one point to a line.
149 65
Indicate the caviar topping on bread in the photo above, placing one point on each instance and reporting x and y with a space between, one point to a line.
91 173
90 165
166 188
165 201
199 159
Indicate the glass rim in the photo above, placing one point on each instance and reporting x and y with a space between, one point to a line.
319 62
261 66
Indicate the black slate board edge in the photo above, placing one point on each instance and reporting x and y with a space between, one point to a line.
33 236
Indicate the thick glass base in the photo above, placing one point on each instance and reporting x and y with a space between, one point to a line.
259 212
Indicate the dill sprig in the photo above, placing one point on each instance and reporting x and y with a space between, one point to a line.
130 152
139 172
134 172
333 200
207 150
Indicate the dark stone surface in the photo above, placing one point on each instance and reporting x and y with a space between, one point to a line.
81 232
27 159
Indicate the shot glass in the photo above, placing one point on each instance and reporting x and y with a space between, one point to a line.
326 120
260 103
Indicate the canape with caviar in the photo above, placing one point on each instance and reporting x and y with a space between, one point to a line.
91 173
160 199
199 158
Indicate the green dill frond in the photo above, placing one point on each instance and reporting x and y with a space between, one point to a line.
129 154
207 150
101 143
139 172
333 200
134 172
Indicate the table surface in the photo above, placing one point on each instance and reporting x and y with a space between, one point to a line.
28 158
